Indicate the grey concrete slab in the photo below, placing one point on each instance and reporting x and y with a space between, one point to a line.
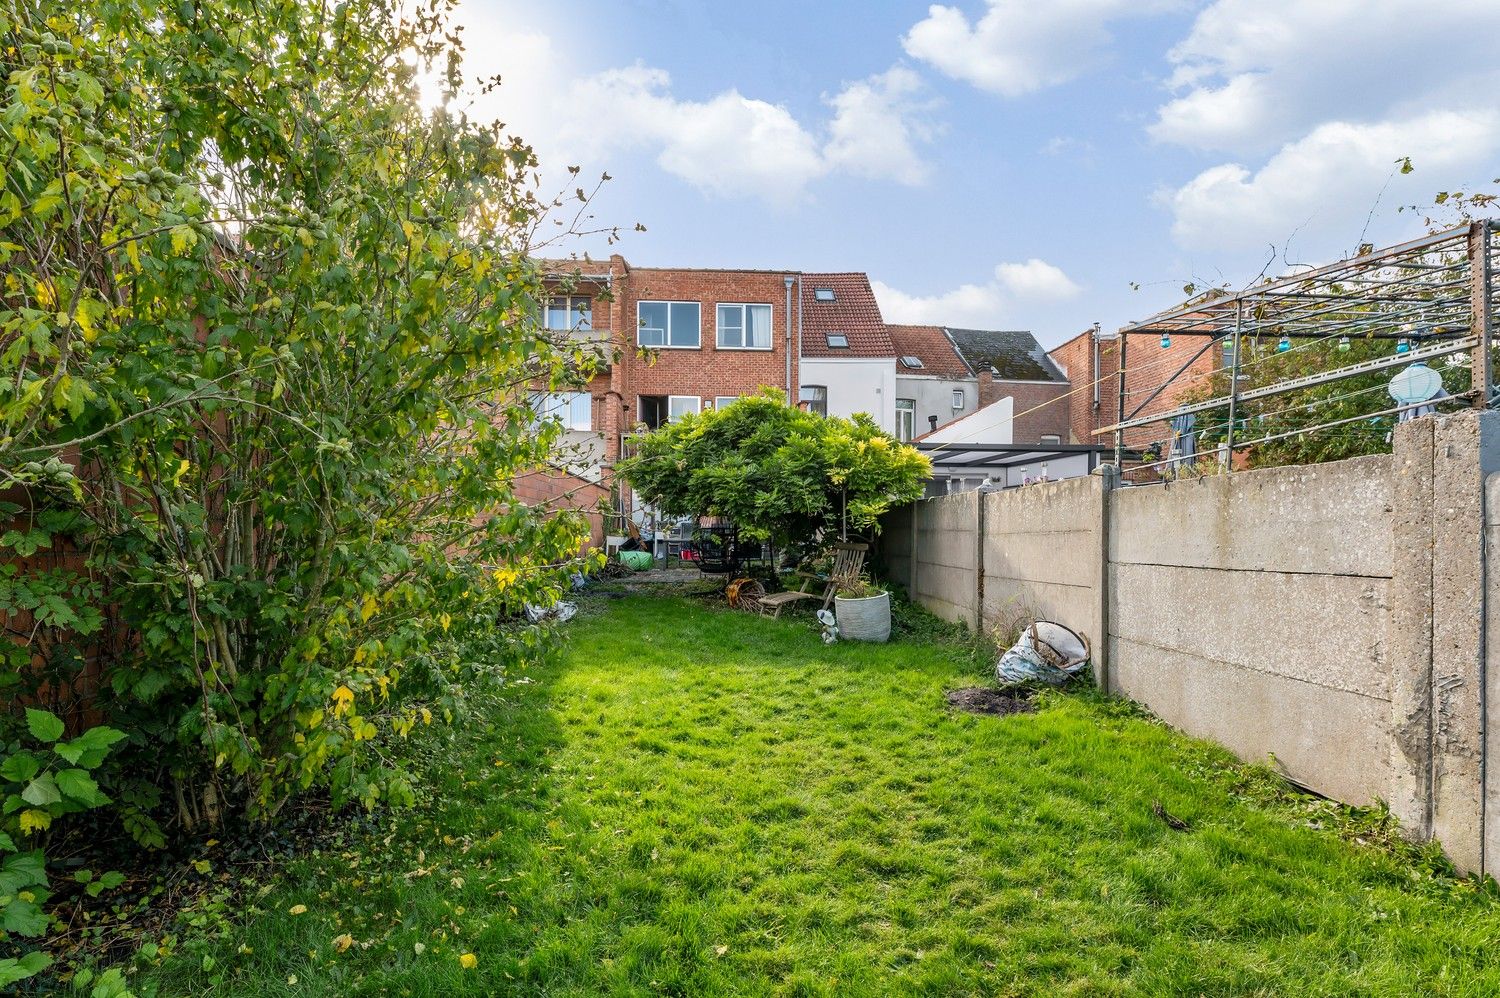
1332 518
1330 740
1325 629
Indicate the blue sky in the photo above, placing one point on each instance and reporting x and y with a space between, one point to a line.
1002 163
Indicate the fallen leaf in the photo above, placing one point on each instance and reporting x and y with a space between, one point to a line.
343 942
720 950
297 909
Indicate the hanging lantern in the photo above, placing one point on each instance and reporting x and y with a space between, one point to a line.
1343 344
1284 344
1166 340
1403 345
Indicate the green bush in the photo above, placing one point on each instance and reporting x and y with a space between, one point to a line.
266 342
778 472
43 778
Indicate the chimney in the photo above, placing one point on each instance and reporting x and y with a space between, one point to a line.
931 423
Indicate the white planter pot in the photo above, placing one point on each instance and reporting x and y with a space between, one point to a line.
867 619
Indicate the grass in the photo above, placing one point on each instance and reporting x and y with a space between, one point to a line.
696 802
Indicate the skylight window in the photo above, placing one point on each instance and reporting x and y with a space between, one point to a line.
823 294
915 363
838 340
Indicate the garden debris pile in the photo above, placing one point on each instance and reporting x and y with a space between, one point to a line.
1046 653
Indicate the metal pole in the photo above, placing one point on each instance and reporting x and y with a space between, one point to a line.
1234 385
1120 433
791 390
1481 318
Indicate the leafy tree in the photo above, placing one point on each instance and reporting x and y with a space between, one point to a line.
779 473
266 337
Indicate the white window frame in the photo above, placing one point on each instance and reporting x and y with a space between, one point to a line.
560 406
960 399
1050 439
667 343
809 402
907 415
720 401
571 307
697 405
743 307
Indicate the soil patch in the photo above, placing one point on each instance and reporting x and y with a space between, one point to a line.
988 700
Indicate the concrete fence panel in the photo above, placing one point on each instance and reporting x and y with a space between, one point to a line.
1334 618
946 556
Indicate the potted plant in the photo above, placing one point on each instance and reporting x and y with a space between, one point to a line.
863 611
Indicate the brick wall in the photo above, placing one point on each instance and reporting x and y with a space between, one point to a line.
563 491
1040 406
1148 365
708 370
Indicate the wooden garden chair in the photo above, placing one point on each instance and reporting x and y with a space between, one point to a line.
848 563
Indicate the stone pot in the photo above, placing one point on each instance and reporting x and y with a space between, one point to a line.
866 619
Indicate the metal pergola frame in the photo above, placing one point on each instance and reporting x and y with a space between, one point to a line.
1438 293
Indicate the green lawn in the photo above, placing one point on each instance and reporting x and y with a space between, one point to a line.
696 802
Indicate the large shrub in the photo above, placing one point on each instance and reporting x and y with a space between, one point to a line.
777 472
265 339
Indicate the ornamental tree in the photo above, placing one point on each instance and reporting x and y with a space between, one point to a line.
778 473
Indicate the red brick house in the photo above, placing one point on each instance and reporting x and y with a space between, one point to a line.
682 340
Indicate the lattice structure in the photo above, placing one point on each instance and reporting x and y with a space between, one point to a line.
1431 297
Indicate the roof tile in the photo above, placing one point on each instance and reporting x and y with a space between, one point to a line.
853 312
932 347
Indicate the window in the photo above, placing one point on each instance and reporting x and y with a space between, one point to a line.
720 401
651 410
1051 438
744 327
959 400
668 324
838 341
680 405
823 294
906 418
575 410
915 363
814 398
566 312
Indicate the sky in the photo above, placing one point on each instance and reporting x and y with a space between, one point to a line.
1000 164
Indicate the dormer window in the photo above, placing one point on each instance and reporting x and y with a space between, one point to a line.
838 341
823 294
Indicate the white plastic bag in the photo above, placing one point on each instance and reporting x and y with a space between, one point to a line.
1046 653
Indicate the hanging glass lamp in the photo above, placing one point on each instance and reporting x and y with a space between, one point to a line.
1403 345
1284 344
1343 344
1166 340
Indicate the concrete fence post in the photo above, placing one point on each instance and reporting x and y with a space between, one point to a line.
1109 477
979 527
1440 604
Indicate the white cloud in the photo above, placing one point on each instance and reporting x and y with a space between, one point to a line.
1331 177
727 145
1254 74
1035 279
981 305
1312 103
1019 46
877 126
